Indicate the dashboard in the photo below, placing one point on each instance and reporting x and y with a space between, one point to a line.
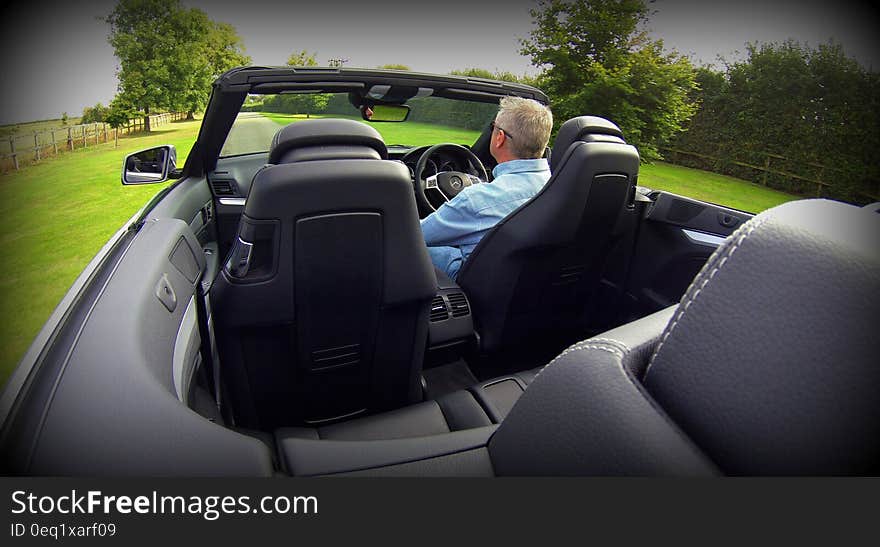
441 160
233 175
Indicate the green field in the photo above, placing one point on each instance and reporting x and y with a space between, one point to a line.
408 133
711 187
54 216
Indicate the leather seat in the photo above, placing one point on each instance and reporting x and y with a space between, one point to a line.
453 412
322 307
768 366
535 272
483 404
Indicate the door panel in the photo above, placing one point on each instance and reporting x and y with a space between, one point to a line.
122 389
676 237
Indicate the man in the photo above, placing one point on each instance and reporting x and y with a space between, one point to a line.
519 136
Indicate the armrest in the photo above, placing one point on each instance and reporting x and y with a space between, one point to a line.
306 457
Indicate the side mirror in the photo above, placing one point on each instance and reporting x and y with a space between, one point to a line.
151 165
385 112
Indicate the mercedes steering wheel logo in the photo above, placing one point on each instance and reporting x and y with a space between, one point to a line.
455 182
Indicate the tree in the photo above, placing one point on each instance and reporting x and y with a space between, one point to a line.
64 118
302 58
92 114
489 75
223 50
810 106
118 114
307 103
168 55
596 61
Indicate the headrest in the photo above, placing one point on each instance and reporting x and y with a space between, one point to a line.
349 137
579 129
771 362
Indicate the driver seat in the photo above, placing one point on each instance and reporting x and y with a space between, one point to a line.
323 303
534 273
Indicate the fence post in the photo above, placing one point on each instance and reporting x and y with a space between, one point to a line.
70 138
85 143
96 133
104 126
766 169
54 143
36 146
820 179
12 151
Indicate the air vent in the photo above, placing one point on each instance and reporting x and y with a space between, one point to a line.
223 187
459 304
439 312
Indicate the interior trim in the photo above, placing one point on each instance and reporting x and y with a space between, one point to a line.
186 351
703 238
233 201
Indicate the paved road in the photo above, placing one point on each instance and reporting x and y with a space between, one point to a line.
251 133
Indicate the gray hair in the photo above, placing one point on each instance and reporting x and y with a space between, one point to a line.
528 124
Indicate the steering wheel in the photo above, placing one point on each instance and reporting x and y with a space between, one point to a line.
445 185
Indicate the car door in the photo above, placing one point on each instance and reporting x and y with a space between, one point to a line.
676 236
660 242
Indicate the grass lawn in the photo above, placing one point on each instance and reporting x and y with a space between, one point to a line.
409 133
54 217
711 187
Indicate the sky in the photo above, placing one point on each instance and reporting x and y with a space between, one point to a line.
56 57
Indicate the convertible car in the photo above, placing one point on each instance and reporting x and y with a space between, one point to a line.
275 312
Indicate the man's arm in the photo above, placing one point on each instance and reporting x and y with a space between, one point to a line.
448 224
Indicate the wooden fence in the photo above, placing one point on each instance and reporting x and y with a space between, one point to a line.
767 168
22 149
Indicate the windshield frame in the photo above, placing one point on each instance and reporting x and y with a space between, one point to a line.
231 89
432 120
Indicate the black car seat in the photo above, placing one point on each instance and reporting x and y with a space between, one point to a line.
323 304
536 270
768 366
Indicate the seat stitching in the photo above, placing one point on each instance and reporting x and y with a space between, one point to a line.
691 298
612 341
586 344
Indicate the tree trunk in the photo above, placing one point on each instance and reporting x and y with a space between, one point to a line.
190 115
147 123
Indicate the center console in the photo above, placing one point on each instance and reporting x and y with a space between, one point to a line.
451 321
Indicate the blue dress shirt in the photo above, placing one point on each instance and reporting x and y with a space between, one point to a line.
453 231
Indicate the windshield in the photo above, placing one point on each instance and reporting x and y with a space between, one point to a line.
431 120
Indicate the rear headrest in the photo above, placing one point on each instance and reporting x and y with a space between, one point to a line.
580 129
328 139
771 362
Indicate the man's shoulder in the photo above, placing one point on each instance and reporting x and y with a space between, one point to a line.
522 167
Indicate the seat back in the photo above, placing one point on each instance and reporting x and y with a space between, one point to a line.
768 366
324 300
770 363
536 270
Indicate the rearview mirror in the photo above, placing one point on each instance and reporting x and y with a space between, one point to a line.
385 112
150 166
